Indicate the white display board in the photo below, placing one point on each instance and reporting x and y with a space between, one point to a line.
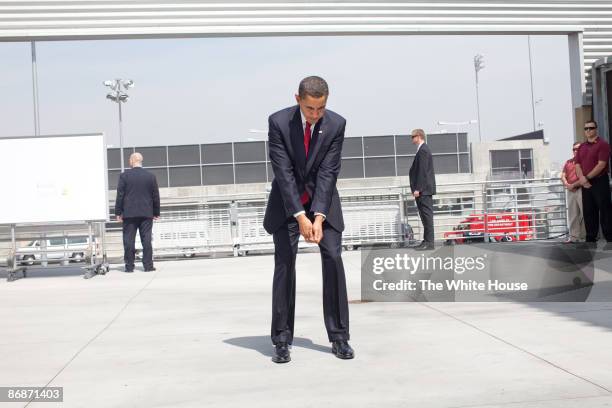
48 179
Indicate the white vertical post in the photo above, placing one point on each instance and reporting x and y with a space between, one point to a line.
35 90
533 115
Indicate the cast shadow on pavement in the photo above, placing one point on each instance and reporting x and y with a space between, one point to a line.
263 344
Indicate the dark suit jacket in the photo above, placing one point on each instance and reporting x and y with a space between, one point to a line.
422 177
137 194
294 174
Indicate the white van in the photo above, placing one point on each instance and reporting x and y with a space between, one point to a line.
75 249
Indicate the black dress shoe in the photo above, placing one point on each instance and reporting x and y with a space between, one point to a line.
128 270
150 269
425 246
342 350
281 353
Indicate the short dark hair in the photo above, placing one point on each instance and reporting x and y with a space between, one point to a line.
591 121
313 86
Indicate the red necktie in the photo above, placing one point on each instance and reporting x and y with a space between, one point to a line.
307 135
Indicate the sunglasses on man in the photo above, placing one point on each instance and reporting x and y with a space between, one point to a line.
586 128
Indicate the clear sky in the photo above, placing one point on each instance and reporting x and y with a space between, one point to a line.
215 89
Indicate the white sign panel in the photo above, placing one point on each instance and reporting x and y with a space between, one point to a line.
53 179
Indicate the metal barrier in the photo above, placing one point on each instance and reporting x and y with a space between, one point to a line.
506 210
56 245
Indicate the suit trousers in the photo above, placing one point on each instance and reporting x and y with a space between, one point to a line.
144 226
425 206
335 301
596 207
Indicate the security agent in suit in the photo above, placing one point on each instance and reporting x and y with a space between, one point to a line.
423 186
305 143
137 205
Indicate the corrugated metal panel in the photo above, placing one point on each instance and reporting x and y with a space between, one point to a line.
89 19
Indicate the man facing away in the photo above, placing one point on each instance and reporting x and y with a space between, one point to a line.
137 205
305 143
592 171
423 186
574 198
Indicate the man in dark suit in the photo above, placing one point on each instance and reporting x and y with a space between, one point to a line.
423 186
137 205
305 143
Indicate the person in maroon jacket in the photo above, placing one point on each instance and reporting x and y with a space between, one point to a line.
592 170
574 198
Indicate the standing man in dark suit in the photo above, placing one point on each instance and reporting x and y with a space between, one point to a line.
305 143
423 186
137 206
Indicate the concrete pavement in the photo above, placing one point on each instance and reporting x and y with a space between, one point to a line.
195 333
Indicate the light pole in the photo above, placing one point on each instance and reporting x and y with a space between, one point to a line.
478 65
118 94
457 124
35 90
533 103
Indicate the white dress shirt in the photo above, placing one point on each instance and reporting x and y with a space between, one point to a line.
419 146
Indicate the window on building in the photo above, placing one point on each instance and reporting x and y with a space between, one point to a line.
161 174
185 176
512 163
251 173
113 157
380 167
351 168
153 156
183 155
445 163
464 163
379 146
404 145
113 179
222 174
443 143
463 143
352 147
403 165
217 153
250 152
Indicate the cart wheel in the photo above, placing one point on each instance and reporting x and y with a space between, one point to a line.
394 245
349 247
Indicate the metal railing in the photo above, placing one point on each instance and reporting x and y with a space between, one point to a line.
506 210
492 210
